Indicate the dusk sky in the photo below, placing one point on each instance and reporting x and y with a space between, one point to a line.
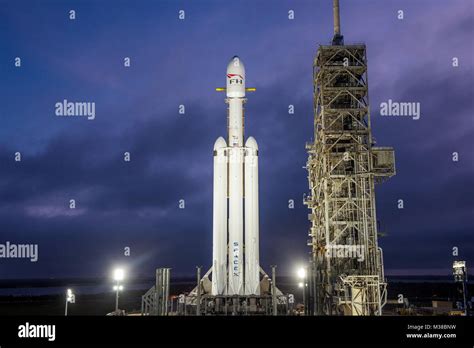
180 62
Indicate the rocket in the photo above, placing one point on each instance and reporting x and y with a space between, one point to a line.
235 264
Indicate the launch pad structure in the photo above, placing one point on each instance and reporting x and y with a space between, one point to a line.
346 275
201 301
269 301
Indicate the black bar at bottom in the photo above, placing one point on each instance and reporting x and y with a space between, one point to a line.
134 331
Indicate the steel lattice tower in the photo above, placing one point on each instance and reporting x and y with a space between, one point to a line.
343 166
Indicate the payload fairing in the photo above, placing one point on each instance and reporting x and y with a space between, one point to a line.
235 264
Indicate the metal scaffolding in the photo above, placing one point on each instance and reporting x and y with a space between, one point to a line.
156 300
271 301
347 276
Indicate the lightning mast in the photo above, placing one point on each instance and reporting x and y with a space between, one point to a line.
347 274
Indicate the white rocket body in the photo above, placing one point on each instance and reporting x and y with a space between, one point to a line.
236 268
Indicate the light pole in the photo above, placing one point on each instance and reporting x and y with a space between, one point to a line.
70 298
302 275
460 276
119 276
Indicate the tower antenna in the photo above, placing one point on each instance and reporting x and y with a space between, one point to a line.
337 39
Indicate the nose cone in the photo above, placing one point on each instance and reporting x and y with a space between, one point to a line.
219 144
236 66
251 143
235 78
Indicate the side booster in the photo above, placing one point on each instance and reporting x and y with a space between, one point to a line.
235 201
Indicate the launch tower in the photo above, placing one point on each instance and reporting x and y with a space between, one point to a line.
346 273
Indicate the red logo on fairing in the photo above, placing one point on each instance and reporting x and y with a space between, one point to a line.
232 75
